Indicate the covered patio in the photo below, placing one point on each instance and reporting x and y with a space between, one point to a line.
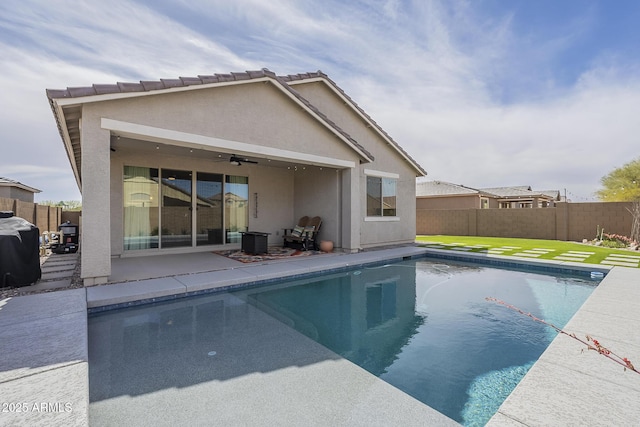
186 165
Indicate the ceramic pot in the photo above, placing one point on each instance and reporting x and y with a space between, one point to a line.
326 246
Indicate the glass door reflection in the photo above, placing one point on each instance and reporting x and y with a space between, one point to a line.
209 209
176 222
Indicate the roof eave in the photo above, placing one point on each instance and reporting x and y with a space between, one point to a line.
65 98
58 114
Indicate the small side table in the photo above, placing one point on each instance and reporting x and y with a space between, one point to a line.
254 242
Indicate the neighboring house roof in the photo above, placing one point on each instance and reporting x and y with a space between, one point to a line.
6 182
293 79
442 188
555 194
523 191
66 105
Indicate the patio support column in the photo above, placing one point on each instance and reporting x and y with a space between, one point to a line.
351 210
95 247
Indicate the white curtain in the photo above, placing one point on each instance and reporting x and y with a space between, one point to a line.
140 208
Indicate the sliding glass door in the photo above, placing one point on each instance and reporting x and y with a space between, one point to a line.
159 208
209 209
236 201
140 200
175 210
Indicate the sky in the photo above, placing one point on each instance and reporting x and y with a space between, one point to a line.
483 93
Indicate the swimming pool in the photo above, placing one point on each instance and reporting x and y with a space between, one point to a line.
421 325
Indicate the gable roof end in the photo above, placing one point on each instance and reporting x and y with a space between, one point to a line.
320 76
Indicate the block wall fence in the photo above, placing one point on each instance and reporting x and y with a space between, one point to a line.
566 221
46 218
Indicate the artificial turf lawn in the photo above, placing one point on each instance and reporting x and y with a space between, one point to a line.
559 247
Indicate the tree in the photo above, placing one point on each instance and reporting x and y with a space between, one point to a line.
622 184
69 205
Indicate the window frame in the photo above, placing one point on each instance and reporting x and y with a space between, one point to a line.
383 176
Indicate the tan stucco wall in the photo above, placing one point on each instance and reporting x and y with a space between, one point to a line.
317 193
372 233
255 113
95 243
10 192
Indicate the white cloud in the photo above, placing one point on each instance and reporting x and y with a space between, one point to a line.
569 142
434 74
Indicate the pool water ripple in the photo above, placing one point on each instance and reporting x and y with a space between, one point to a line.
420 325
427 329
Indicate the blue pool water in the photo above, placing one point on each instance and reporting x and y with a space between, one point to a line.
421 325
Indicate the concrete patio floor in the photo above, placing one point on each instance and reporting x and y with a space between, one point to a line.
44 367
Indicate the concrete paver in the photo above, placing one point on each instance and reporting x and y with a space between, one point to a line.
44 363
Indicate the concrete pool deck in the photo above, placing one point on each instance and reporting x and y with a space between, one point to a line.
44 351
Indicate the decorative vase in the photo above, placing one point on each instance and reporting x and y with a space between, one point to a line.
326 246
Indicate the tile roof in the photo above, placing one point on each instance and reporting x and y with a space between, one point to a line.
514 192
442 188
122 88
552 193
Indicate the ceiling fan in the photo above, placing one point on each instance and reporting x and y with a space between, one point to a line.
237 161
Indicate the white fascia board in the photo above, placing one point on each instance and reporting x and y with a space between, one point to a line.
190 140
371 172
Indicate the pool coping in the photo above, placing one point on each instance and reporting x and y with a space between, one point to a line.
549 383
115 296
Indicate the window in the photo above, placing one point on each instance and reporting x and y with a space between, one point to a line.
381 196
484 203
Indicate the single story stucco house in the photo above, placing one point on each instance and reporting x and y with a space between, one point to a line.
446 195
11 189
187 164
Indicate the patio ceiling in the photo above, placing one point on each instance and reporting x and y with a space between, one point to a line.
184 143
126 145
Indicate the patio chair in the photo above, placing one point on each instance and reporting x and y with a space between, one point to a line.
304 234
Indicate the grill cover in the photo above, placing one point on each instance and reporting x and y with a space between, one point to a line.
19 251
